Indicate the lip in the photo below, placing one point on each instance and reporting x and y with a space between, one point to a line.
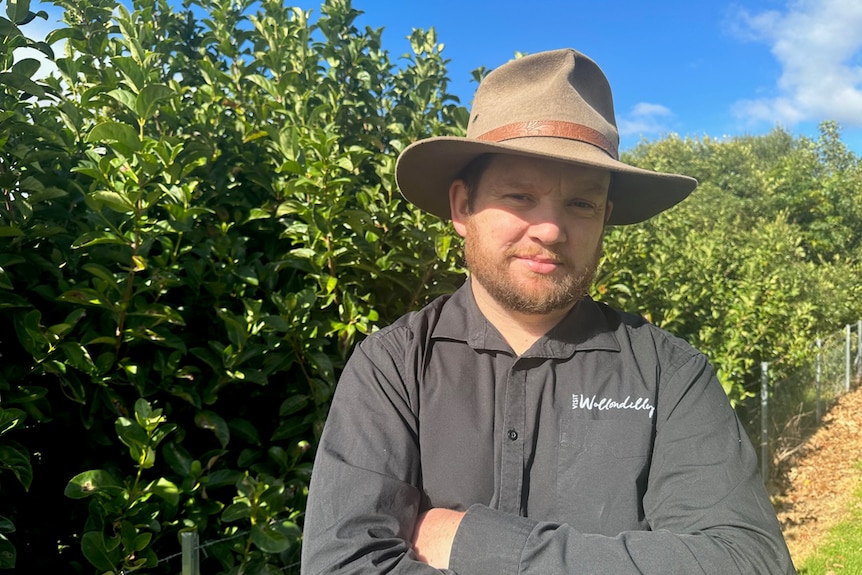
540 265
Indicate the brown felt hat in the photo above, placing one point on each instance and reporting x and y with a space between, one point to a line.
554 105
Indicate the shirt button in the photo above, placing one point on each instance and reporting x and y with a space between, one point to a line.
512 434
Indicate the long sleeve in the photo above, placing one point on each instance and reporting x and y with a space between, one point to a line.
364 496
706 506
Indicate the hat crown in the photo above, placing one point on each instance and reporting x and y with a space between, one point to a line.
560 90
553 106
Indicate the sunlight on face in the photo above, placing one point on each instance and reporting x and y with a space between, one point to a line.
534 236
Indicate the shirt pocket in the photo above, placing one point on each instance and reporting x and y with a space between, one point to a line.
602 471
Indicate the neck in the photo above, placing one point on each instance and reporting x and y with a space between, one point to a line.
520 330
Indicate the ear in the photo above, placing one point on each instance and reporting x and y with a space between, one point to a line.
458 206
609 208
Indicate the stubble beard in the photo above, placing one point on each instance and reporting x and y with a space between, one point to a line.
553 292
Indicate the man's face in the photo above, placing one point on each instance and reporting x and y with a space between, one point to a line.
534 235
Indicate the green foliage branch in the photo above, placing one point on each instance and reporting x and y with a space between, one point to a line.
199 222
762 258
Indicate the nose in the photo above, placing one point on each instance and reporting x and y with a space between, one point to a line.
546 224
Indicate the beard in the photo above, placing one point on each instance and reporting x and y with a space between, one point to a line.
534 294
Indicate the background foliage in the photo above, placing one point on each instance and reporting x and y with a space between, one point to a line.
199 219
762 257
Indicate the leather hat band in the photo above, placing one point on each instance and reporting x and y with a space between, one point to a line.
551 129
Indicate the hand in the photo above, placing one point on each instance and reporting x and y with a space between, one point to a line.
435 531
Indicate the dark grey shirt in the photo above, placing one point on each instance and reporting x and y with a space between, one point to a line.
608 447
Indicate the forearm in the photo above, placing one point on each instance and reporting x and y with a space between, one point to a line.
359 521
364 497
490 542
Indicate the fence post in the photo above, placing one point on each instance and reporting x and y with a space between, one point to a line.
847 358
191 559
764 420
817 377
858 348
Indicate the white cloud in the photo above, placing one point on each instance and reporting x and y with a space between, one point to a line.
644 119
818 44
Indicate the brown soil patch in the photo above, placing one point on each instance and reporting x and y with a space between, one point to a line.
817 488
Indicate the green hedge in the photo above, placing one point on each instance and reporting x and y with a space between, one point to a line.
199 219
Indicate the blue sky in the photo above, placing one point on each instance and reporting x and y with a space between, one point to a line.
692 68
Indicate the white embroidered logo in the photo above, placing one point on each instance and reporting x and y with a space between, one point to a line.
581 401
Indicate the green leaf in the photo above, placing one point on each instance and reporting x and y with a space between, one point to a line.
115 132
142 541
18 10
27 394
78 357
135 438
22 83
98 237
128 533
91 482
14 457
146 417
8 555
44 47
214 422
223 477
8 29
85 296
29 332
100 552
236 511
6 525
149 98
291 428
166 490
124 97
179 460
117 202
134 72
292 404
102 273
26 66
10 231
269 539
11 300
10 419
245 430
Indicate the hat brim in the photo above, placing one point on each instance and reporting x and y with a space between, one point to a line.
425 170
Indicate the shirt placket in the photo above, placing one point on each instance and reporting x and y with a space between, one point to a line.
512 472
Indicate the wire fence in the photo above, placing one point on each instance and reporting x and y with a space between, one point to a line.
191 550
788 410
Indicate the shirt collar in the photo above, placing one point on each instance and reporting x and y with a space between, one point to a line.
586 327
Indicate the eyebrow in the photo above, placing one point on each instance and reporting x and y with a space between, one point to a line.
518 183
515 182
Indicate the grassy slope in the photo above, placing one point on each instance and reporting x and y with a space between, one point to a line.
841 551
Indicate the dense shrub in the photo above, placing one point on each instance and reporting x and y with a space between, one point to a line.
200 218
763 256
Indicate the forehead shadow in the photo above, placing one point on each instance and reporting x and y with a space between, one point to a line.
581 179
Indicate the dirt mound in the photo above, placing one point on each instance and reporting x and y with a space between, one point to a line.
822 477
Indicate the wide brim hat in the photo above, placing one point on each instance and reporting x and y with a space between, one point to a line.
553 105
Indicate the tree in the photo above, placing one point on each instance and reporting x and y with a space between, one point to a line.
748 268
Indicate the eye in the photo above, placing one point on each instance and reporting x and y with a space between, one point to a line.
581 204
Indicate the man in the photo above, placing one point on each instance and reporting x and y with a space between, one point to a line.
517 426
